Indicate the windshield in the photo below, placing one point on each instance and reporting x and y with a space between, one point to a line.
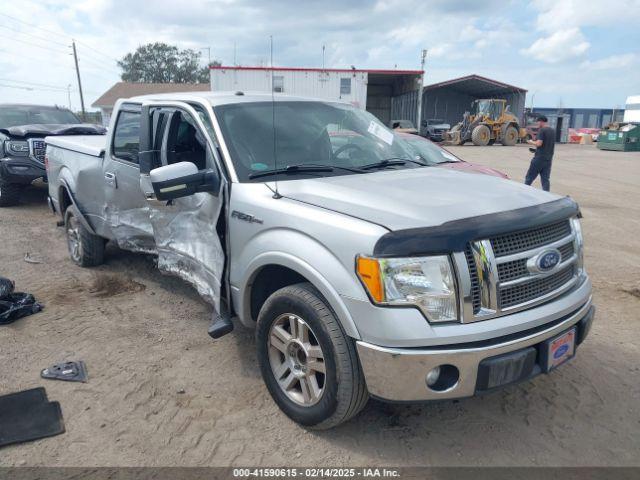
429 152
490 108
307 134
13 116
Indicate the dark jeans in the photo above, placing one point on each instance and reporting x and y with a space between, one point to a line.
542 167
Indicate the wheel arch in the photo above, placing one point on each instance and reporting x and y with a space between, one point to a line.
270 272
66 200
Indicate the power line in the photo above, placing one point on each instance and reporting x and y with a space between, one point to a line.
59 34
33 83
33 44
32 88
33 25
97 51
34 36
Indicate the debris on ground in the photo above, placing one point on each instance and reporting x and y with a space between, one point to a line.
29 259
67 371
28 415
15 305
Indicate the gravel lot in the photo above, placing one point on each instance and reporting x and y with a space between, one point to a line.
161 392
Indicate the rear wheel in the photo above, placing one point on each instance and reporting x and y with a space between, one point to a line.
510 137
85 249
10 193
481 135
308 363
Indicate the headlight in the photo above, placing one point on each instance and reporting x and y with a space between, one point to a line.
18 148
425 282
578 242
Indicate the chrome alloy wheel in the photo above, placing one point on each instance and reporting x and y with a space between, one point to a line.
73 239
296 360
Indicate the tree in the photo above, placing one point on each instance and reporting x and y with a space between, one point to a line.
163 63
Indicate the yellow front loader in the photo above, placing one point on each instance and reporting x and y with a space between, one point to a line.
489 121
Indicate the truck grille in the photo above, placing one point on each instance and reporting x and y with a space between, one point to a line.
529 239
507 283
475 284
518 268
525 292
38 149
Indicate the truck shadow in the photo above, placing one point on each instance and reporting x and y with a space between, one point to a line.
34 195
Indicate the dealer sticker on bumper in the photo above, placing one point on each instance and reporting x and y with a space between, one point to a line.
561 349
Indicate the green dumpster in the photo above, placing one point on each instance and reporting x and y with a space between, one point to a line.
624 137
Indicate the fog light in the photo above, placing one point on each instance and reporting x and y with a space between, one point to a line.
443 378
432 376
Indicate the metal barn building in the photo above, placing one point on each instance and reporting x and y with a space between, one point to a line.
373 90
450 99
584 117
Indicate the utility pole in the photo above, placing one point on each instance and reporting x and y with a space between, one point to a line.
69 94
208 49
75 58
419 113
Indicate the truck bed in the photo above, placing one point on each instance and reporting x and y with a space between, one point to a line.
93 145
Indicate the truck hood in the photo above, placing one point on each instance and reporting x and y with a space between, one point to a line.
50 129
440 126
417 197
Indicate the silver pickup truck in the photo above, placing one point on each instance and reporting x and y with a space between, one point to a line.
363 270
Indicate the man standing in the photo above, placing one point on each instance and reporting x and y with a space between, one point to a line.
541 162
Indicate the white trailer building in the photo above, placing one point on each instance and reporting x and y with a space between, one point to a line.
372 90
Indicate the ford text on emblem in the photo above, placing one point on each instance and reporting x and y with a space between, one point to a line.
546 261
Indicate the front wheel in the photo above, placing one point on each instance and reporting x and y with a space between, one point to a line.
309 365
481 135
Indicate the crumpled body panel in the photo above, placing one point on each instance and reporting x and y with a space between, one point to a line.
188 245
132 229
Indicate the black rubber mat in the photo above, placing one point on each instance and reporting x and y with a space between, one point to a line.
28 416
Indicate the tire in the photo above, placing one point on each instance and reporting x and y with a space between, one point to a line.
510 137
10 194
333 397
85 249
481 135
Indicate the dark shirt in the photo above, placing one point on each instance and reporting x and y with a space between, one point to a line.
548 137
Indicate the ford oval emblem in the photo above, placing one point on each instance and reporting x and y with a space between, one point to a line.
545 261
562 349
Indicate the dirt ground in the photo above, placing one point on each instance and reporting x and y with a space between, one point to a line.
161 392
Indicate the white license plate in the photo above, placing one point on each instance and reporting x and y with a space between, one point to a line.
561 349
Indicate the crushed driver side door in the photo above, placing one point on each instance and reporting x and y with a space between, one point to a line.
184 229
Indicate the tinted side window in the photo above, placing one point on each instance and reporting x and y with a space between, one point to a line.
126 136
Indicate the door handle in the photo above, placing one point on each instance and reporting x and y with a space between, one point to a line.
110 179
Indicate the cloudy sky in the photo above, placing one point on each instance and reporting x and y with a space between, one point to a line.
571 53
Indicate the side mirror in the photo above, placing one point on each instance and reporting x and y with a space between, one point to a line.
181 180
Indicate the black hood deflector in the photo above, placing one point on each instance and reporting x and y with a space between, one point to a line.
453 236
51 129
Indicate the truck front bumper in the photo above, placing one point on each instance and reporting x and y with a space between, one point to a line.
22 170
400 374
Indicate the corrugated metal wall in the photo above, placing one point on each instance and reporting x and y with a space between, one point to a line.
448 104
306 83
584 117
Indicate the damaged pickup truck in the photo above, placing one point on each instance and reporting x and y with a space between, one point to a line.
22 148
363 269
